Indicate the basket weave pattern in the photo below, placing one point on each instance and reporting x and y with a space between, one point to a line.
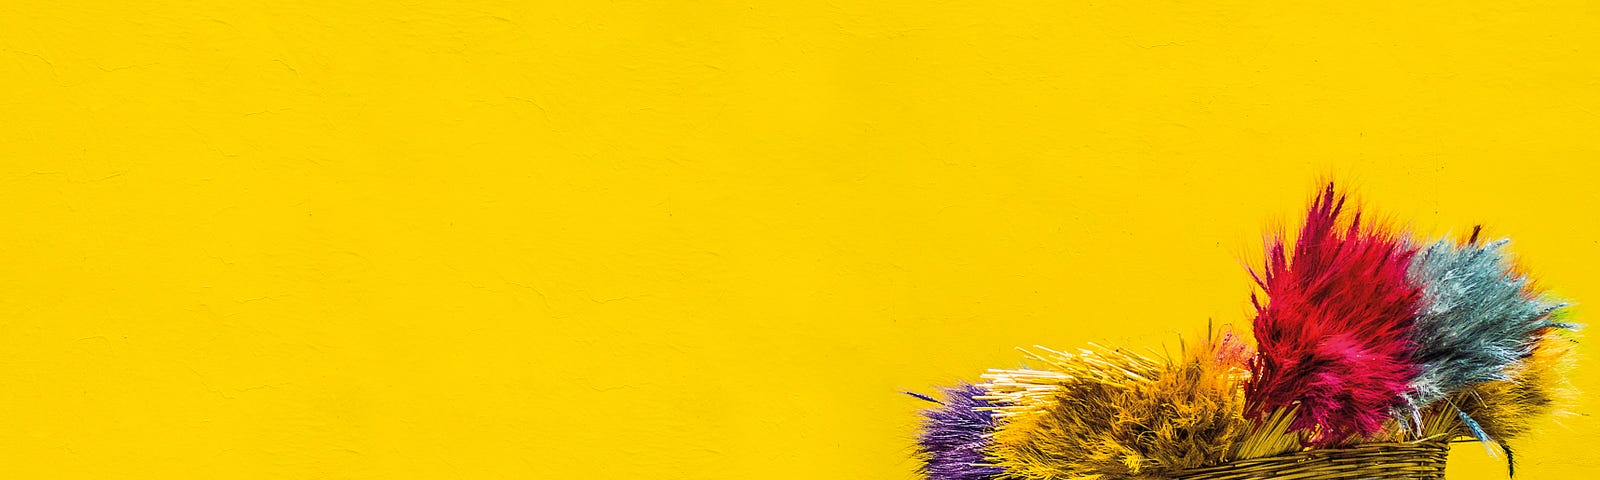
1419 460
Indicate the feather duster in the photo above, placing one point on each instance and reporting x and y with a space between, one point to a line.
1333 337
1505 409
1363 336
1116 414
955 434
1479 318
1499 411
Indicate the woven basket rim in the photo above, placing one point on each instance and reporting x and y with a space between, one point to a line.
1422 458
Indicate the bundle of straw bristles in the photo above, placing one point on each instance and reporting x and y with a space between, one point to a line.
1372 351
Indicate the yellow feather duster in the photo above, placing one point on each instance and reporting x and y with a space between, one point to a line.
1506 409
1116 414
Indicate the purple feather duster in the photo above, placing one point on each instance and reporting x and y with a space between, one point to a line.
955 434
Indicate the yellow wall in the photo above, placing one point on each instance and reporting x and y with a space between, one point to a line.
478 239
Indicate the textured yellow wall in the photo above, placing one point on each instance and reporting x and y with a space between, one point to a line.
479 239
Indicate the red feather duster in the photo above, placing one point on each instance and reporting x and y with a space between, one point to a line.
1332 337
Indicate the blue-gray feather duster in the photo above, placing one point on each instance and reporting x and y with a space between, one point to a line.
1478 317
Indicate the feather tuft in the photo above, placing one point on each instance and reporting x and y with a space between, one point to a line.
1537 386
1332 337
1479 318
955 434
1117 414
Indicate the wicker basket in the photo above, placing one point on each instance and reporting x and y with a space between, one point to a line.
1422 460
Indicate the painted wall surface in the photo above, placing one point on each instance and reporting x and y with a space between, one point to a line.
616 240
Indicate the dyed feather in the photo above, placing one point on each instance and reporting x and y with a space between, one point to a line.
1503 410
1479 318
955 434
1333 336
1363 337
1115 414
1537 386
